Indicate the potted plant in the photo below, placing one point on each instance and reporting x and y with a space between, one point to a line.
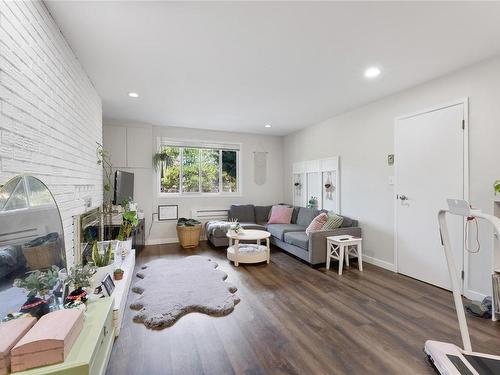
130 221
234 226
38 284
188 232
496 186
102 260
118 274
312 203
104 160
162 157
80 277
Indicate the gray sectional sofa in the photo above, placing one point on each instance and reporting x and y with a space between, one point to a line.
291 238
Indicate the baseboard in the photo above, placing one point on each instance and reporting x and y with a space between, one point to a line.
159 241
379 263
473 295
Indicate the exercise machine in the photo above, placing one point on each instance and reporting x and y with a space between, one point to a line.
449 359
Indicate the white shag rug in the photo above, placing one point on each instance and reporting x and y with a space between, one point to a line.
170 289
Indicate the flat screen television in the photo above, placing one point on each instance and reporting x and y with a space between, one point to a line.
124 186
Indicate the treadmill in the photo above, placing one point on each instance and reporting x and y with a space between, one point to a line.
449 359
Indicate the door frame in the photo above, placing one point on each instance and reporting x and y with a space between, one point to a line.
465 103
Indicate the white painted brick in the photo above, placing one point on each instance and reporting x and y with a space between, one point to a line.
50 113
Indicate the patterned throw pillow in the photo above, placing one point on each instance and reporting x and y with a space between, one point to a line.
281 215
317 223
334 221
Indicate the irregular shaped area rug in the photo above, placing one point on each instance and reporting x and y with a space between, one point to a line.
170 289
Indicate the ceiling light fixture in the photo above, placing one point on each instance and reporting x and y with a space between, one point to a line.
133 94
372 72
267 126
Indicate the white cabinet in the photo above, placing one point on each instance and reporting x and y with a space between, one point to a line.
139 144
115 142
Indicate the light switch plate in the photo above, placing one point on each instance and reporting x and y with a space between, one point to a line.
391 180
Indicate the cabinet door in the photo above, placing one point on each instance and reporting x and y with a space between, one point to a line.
115 142
139 142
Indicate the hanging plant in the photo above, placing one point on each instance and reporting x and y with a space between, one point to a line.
162 157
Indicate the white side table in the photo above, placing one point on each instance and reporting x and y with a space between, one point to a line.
340 247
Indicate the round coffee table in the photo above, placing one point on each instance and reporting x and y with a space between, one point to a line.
248 253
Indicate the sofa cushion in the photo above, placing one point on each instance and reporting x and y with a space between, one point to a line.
295 214
244 213
317 223
306 215
299 239
281 215
347 222
252 226
278 230
262 214
334 221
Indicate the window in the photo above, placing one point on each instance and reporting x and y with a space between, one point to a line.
198 168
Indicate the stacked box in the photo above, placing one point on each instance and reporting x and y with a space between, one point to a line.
49 341
10 333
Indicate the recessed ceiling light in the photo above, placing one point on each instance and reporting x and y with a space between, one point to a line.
133 94
372 72
267 126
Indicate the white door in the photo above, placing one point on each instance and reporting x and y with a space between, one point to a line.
429 162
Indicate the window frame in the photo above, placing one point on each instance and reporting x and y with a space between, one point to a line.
198 144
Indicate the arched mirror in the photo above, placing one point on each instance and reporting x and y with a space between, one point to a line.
31 244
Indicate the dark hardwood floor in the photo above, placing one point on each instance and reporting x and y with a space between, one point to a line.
293 319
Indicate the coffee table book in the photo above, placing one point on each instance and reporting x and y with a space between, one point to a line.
49 341
10 333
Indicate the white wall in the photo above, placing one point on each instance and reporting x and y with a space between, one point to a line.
364 137
132 146
50 114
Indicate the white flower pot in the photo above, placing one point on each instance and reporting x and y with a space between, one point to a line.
126 246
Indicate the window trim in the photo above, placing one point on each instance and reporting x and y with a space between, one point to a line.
191 143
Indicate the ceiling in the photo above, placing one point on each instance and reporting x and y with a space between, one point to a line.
237 66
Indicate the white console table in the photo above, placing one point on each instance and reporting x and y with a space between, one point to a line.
122 287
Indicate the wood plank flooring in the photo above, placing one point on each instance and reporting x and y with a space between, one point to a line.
293 319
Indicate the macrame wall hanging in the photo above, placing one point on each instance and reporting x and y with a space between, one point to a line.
260 167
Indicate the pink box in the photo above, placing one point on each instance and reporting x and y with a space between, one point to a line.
10 333
49 341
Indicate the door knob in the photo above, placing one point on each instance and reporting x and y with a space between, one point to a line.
403 197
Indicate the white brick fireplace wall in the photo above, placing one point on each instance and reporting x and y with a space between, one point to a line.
50 113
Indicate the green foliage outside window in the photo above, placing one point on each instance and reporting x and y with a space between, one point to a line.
201 170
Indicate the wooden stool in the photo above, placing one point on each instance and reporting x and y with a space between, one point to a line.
340 247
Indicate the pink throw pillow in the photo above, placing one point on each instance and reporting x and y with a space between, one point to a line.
281 215
317 223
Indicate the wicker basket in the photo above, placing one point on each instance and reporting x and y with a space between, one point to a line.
189 236
43 256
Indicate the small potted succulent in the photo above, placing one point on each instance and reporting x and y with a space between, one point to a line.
80 277
118 274
234 226
38 284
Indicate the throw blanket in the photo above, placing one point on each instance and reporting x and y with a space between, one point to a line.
217 228
11 258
